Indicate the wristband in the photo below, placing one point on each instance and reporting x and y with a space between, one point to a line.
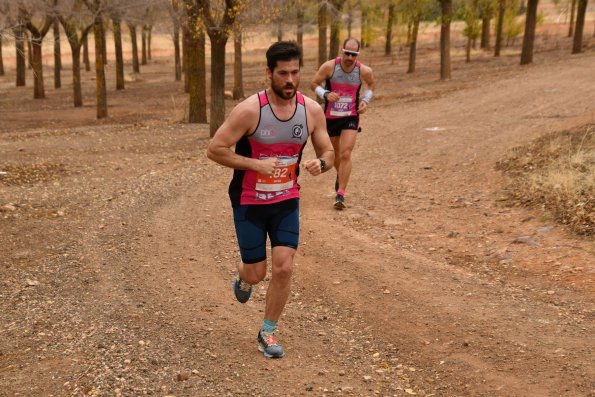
320 92
368 94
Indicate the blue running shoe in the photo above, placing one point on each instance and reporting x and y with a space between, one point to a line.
340 202
267 344
241 289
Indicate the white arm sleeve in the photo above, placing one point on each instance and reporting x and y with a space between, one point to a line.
320 92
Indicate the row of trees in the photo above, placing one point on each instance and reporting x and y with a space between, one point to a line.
29 21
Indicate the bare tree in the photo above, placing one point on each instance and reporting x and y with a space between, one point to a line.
218 23
577 43
388 45
19 38
57 54
1 57
238 83
529 36
499 27
487 11
322 24
97 10
133 41
195 63
572 11
413 41
299 5
71 19
37 35
174 13
335 40
117 27
446 7
86 53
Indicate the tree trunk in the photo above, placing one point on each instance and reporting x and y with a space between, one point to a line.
86 60
117 22
135 64
104 45
470 33
486 20
38 88
300 23
577 43
195 64
349 18
388 45
29 50
1 58
37 36
279 31
529 36
76 75
19 35
238 83
149 37
364 26
177 60
446 7
100 84
322 22
335 43
75 50
571 24
143 45
413 43
57 54
186 41
499 27
218 41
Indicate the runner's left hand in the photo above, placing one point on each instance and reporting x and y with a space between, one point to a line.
362 107
312 166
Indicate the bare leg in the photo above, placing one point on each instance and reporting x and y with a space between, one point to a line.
253 273
335 140
346 145
280 284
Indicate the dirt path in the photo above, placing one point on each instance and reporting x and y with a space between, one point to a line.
119 255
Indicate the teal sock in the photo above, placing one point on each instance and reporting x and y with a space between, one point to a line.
269 326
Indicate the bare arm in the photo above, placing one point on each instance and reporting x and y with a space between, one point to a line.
320 140
368 78
241 120
325 72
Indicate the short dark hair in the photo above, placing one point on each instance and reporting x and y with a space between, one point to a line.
283 51
351 39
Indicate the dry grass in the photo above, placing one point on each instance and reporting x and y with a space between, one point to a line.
556 173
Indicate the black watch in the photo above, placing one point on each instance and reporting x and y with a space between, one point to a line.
322 164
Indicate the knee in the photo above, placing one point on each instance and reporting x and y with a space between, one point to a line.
345 154
283 270
254 274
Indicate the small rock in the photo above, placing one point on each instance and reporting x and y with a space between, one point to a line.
309 388
32 283
525 240
452 234
183 376
367 378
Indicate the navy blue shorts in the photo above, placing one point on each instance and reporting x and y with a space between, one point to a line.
281 221
335 126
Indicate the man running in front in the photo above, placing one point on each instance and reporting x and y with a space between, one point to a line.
270 130
343 105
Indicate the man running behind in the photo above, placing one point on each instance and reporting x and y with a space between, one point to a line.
343 105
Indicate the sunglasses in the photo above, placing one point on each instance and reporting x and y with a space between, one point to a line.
350 53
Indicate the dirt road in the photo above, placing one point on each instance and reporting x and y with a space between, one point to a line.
118 252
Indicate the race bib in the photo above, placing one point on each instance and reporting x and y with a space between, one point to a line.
343 107
283 177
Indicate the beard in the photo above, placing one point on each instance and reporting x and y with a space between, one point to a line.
279 90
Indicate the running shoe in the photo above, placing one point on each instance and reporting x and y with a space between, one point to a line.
267 344
241 289
340 202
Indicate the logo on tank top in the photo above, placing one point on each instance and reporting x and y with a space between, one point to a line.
298 131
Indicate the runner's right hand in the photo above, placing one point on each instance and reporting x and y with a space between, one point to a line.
332 97
267 166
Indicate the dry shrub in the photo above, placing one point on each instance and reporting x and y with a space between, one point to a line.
556 173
